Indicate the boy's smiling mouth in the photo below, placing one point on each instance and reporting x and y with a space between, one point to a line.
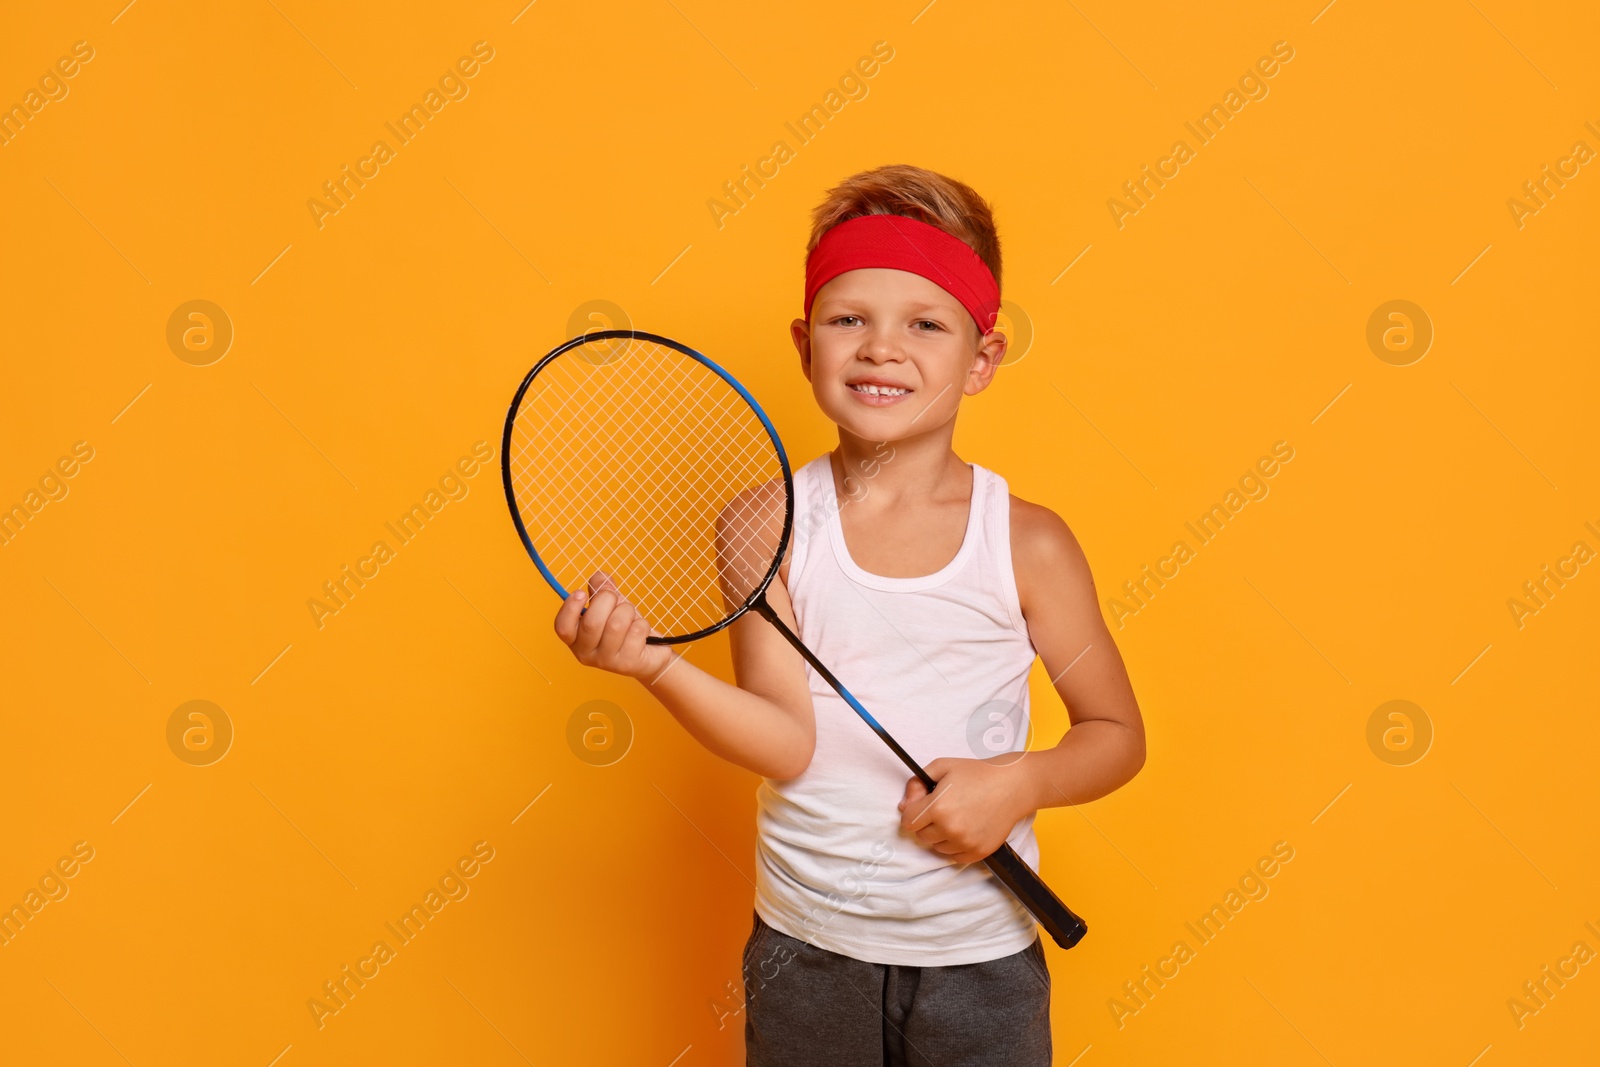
879 391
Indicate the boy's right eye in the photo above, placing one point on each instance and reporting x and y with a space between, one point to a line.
846 320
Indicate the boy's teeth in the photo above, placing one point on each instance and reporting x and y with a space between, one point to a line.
879 390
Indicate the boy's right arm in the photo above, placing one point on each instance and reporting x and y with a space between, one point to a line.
765 723
764 729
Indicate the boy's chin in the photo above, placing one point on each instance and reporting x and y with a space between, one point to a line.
886 428
847 412
876 421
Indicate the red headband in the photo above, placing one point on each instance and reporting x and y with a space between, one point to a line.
901 243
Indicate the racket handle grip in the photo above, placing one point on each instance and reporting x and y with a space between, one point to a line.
1065 928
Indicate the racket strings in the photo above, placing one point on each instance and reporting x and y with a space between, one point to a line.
656 540
631 459
683 513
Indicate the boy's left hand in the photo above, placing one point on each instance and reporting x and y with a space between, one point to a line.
973 809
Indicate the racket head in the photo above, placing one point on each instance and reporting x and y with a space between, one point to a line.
656 447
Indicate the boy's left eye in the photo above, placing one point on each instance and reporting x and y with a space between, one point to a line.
929 322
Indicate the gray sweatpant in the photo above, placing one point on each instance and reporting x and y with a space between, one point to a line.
807 1006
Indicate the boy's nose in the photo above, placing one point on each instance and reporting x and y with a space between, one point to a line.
878 348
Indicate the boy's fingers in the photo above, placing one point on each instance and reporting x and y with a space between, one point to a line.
567 618
914 809
599 581
616 628
626 625
915 790
971 854
591 627
633 645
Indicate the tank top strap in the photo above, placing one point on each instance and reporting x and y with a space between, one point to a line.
997 543
811 513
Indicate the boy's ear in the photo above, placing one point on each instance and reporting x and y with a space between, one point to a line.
991 353
800 330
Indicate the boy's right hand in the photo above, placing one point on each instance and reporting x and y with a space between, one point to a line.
610 634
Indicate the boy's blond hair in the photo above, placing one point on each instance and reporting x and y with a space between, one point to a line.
924 195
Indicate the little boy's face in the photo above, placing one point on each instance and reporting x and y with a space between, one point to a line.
890 354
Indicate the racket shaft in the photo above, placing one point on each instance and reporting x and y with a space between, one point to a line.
1064 927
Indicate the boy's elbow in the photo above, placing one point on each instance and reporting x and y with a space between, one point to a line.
797 758
1136 754
797 762
802 744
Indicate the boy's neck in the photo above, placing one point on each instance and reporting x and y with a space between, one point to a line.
912 468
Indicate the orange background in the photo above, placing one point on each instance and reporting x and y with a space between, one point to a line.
372 753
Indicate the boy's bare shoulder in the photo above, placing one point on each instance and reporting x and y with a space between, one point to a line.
1043 546
753 519
760 505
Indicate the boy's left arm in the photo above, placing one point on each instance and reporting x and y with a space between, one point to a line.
977 803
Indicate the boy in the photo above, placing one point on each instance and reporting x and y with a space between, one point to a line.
879 937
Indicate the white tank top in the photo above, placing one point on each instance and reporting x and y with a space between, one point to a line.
942 661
